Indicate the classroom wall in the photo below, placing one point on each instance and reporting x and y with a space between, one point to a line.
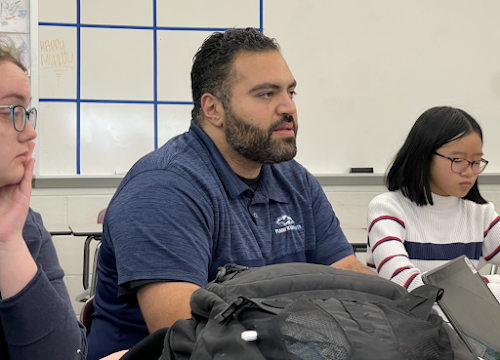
81 205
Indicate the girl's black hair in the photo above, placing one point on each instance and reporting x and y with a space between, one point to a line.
410 170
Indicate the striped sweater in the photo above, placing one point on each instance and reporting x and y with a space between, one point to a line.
405 240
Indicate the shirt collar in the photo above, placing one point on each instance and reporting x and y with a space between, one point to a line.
268 186
269 183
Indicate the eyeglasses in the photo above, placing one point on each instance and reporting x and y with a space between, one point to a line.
460 166
19 115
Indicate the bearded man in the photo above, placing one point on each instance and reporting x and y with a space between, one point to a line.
227 191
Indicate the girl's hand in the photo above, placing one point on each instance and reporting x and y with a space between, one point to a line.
14 203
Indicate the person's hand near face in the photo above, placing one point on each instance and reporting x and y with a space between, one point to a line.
14 203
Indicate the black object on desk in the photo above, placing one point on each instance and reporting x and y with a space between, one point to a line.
363 170
359 247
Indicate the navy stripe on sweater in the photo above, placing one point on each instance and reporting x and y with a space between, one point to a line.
419 251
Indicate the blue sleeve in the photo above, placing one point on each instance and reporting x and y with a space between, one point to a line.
331 243
39 321
161 228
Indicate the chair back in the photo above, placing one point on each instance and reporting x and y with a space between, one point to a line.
86 314
100 217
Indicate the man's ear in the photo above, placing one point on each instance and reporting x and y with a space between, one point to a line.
212 109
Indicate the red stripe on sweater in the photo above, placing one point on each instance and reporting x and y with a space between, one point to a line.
383 262
388 238
493 223
386 217
399 270
408 282
490 256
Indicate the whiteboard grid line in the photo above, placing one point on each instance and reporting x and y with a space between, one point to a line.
56 24
106 101
78 83
261 16
153 28
155 77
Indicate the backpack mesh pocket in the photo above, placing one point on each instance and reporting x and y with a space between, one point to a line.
416 337
308 332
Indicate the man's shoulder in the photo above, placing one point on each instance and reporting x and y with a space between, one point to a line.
182 154
181 166
291 166
177 150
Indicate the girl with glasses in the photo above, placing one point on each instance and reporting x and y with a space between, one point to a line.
433 211
37 320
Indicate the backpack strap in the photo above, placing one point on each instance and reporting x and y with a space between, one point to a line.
228 271
231 309
420 301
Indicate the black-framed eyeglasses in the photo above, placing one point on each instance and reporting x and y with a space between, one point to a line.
19 115
459 165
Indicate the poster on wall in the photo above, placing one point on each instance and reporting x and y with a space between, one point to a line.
14 16
14 29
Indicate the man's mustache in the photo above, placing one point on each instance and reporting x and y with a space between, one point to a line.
285 119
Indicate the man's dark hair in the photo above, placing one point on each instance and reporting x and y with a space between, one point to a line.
211 72
410 171
7 55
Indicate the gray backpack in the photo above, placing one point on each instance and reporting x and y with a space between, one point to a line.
314 312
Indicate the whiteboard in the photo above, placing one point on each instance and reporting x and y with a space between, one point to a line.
367 69
115 85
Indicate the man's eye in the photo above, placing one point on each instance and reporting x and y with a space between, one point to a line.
292 94
266 95
458 161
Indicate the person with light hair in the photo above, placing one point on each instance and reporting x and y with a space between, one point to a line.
37 319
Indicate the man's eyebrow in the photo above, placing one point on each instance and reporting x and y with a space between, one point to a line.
269 85
266 85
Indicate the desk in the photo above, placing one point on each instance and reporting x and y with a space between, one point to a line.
357 237
91 232
58 229
88 230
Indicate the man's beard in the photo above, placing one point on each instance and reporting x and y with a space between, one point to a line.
258 145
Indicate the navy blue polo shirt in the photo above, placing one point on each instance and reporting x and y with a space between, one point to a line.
181 212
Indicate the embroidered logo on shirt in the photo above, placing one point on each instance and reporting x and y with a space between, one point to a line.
285 223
